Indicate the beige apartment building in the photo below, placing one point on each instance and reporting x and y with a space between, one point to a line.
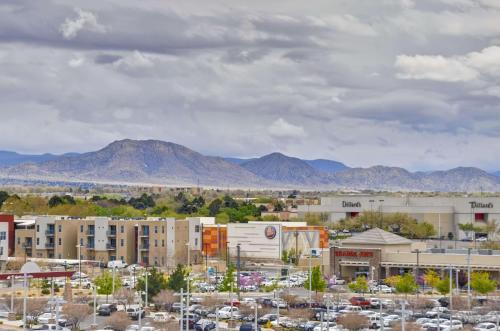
162 242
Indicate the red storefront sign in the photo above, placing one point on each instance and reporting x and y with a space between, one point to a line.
353 254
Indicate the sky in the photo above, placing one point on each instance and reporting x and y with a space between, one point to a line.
409 83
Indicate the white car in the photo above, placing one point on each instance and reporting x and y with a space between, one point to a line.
325 326
228 312
481 239
453 325
487 326
51 327
351 309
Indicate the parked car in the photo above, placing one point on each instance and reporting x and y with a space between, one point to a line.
360 301
487 326
134 312
267 318
190 320
228 312
106 309
51 327
204 325
249 327
117 264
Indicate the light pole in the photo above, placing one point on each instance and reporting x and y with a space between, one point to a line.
79 264
113 283
451 290
256 328
310 277
189 273
468 279
95 305
381 222
182 308
146 286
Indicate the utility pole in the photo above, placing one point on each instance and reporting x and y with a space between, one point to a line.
468 279
238 269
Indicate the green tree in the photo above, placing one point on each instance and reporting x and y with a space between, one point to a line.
406 284
284 256
431 278
3 196
481 283
156 282
316 280
469 228
104 283
178 279
228 282
55 201
214 207
360 285
443 286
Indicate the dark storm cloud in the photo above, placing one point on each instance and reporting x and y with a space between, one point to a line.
401 82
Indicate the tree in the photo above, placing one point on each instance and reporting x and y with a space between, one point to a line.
360 285
353 322
156 282
104 284
119 321
165 299
316 280
392 280
214 207
481 283
3 196
55 201
469 228
125 296
228 282
284 256
178 279
443 286
76 312
431 278
406 284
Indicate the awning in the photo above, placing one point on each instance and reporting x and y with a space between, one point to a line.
354 263
438 266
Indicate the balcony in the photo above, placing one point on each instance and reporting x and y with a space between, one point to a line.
111 233
144 247
144 234
27 245
50 233
90 232
111 247
90 246
50 245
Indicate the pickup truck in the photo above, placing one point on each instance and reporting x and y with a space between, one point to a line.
360 301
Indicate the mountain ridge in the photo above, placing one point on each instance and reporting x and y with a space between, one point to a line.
166 163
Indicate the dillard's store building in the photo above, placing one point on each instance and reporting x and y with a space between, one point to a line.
444 213
378 254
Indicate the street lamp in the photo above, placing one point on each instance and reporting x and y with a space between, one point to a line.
79 246
188 274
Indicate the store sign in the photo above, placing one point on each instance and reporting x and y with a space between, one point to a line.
350 204
270 232
353 254
474 204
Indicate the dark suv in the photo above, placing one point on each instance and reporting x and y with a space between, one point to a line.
106 309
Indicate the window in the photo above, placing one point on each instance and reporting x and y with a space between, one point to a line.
81 241
59 242
37 228
60 256
196 241
196 228
1 250
81 228
156 243
156 229
18 240
163 243
122 242
122 229
112 258
38 241
122 258
3 235
59 228
162 229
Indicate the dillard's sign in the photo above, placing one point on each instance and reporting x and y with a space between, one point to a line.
349 204
474 204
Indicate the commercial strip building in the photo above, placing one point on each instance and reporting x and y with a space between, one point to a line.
378 254
444 213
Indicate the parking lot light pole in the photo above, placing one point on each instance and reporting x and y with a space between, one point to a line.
256 314
79 264
182 309
187 296
468 279
451 290
95 305
310 277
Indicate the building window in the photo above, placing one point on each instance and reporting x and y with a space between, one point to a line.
60 242
156 229
81 228
18 241
38 241
81 241
121 242
37 228
196 228
122 258
112 258
163 243
122 229
1 250
60 256
162 229
196 241
156 243
59 228
3 235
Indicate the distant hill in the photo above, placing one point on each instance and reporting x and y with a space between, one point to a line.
148 161
327 166
166 163
285 169
496 173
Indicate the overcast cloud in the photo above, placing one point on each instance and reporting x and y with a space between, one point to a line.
395 82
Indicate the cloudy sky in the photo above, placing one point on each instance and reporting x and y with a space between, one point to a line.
395 82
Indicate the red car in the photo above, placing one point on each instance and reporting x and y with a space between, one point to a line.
236 303
360 301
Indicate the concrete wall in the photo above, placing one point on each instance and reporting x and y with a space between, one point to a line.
253 240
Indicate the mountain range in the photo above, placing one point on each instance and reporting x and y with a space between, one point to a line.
165 163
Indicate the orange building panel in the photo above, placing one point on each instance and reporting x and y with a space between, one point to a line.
214 240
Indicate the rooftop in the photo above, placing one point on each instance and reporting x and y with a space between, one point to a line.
377 236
